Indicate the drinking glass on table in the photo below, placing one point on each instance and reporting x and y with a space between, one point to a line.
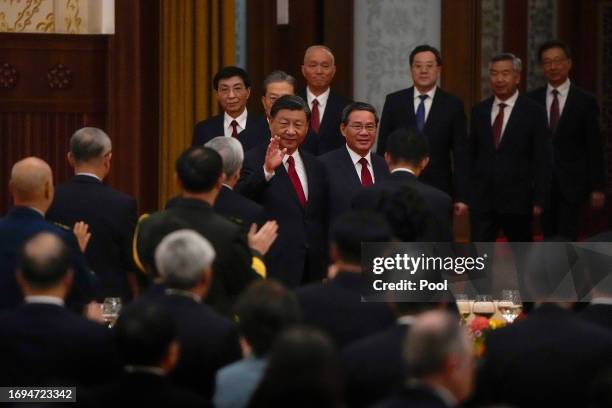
510 305
110 310
484 306
464 306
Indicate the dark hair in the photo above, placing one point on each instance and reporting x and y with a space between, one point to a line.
426 48
357 106
199 168
406 212
354 227
229 72
554 44
278 76
43 268
290 102
407 145
264 309
303 371
143 332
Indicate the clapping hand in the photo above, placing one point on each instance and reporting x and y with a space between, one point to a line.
262 240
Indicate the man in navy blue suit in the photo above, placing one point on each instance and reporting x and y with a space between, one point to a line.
31 186
233 88
292 186
326 105
353 166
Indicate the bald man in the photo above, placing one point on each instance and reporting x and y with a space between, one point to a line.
31 186
325 105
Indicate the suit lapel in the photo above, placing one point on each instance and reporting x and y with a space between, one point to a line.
410 116
218 128
310 181
512 121
568 107
347 166
487 121
379 171
437 105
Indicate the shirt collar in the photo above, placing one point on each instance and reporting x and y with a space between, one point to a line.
48 300
296 157
602 301
509 102
144 369
184 293
404 169
241 119
431 93
89 175
355 157
38 211
321 98
406 320
562 89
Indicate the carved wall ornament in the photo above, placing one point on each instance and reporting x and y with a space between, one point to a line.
59 77
8 76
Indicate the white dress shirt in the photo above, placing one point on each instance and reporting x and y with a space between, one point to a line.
89 174
428 101
299 169
227 123
404 169
355 159
49 300
510 102
322 101
563 90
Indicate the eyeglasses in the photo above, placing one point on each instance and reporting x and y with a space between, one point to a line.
358 127
555 61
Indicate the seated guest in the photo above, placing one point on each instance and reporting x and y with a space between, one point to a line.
199 174
110 214
303 371
548 359
229 203
336 306
440 364
41 342
31 185
276 84
208 341
146 338
233 88
353 166
263 311
407 155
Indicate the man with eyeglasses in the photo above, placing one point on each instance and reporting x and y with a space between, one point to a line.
573 117
353 165
437 115
233 88
292 186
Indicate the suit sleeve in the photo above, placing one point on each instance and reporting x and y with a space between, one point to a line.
595 148
386 127
541 159
127 235
239 267
460 154
198 135
252 179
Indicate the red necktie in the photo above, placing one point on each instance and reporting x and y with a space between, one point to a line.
314 116
295 180
498 124
234 125
554 111
366 177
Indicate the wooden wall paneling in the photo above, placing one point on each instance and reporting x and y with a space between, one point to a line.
261 46
515 33
338 35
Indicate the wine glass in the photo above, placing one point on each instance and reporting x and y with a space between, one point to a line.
464 306
484 306
510 305
110 310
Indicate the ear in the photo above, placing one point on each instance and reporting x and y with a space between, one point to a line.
248 93
107 159
172 355
334 255
343 129
221 180
21 282
304 70
424 163
70 159
388 159
68 280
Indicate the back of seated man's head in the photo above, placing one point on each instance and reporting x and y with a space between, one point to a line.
264 310
199 169
89 145
144 334
231 152
406 146
353 228
31 181
44 263
184 259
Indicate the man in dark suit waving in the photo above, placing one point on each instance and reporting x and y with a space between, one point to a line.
573 117
292 186
510 157
326 106
353 165
439 116
233 88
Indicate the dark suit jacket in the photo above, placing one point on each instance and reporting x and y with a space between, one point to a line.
207 340
140 390
445 130
232 266
300 251
238 208
255 132
344 181
579 165
438 202
111 216
336 307
517 175
600 314
548 359
16 228
44 344
420 397
374 366
329 137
